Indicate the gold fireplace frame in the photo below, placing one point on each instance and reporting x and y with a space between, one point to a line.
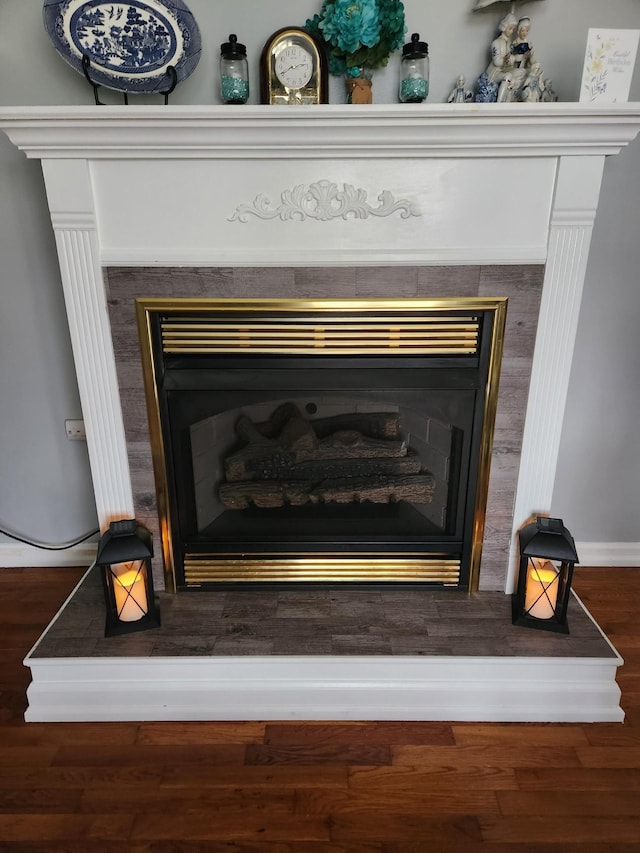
395 329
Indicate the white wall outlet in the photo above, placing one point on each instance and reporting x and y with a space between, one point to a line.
75 430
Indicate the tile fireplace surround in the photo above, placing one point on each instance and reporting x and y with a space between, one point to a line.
331 187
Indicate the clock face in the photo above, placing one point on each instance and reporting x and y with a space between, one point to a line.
294 66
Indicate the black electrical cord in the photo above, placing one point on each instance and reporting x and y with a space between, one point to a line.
49 547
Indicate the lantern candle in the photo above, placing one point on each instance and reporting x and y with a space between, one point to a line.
124 563
542 589
130 593
547 557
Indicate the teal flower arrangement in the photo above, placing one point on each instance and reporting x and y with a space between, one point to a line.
358 34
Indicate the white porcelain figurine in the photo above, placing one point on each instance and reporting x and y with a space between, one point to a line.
532 88
513 74
460 95
501 64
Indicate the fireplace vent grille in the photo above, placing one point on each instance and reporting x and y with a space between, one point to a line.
203 568
449 335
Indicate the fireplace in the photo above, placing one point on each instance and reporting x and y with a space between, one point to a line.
399 203
322 441
328 202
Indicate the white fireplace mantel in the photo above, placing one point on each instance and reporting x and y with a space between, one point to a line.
204 132
483 184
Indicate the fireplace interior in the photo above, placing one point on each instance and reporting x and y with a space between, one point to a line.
326 441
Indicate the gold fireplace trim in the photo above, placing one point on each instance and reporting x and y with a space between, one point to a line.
389 314
407 568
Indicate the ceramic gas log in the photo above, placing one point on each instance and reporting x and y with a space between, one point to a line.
298 464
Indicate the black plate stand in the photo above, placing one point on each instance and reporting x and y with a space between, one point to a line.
171 74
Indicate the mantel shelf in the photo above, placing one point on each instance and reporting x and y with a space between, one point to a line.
328 131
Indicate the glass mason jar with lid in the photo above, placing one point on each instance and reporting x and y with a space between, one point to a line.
414 71
234 72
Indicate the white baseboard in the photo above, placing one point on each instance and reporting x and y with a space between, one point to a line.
17 555
608 553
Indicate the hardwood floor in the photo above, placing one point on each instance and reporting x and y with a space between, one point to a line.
317 787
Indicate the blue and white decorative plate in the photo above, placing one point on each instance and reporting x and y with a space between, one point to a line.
130 45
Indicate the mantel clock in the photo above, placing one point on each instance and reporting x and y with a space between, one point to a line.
293 69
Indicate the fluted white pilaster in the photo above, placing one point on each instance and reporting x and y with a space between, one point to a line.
567 256
78 251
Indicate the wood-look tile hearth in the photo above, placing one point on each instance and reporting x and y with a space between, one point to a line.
319 622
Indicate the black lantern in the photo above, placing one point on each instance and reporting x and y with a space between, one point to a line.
124 560
547 557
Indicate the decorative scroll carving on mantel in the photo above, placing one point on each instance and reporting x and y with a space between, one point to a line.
323 200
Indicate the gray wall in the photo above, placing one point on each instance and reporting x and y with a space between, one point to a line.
597 488
45 488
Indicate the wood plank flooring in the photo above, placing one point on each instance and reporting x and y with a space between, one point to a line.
317 787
